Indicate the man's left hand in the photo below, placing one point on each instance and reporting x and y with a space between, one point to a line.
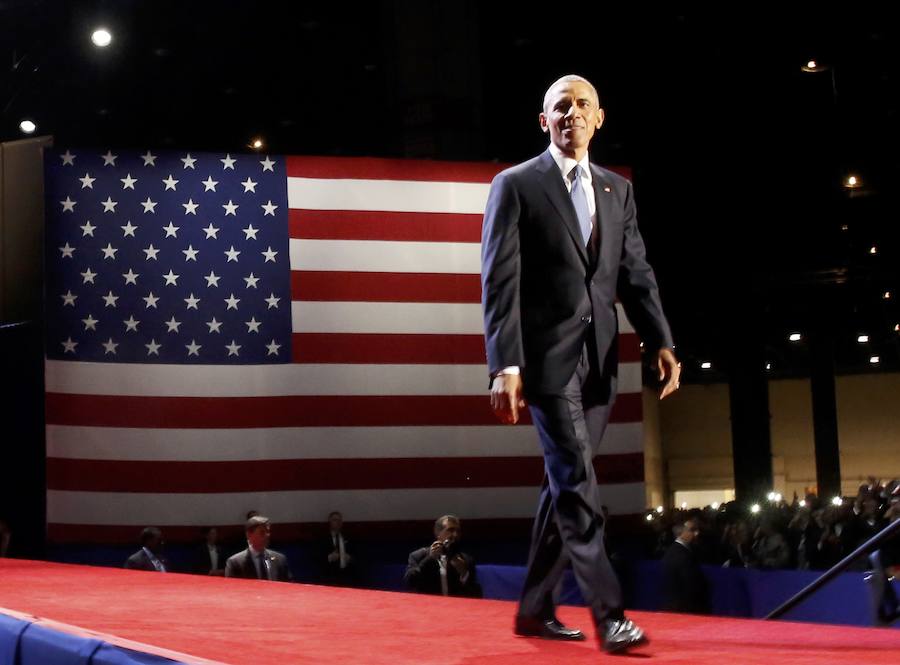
460 564
669 371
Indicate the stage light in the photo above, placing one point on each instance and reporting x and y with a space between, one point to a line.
101 37
706 365
778 497
897 327
771 496
714 505
845 227
887 295
862 339
650 517
795 337
659 509
873 249
813 66
27 127
874 360
683 505
802 503
257 143
852 182
768 366
837 501
754 508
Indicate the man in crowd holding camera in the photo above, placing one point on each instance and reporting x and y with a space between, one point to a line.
443 568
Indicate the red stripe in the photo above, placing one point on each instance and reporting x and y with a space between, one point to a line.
287 411
370 168
367 225
364 348
331 286
487 529
318 474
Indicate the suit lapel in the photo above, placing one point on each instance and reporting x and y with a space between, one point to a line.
551 180
604 202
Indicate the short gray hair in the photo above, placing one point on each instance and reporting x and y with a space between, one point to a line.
569 78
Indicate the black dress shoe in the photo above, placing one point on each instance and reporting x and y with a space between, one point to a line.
621 635
548 629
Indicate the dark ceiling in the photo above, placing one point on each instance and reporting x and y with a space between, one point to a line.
738 156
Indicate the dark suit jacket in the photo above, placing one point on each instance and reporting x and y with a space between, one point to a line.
203 562
423 574
242 565
140 561
332 573
540 291
684 586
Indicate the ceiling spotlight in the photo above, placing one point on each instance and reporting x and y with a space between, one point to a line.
101 37
714 505
706 365
845 227
887 295
27 127
897 327
802 503
770 496
650 517
683 505
795 337
873 249
874 360
754 508
862 339
852 182
813 66
837 501
257 143
659 509
768 366
778 497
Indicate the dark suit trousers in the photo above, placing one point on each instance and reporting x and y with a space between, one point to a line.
569 524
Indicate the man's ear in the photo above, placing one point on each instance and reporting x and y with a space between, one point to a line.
543 120
601 116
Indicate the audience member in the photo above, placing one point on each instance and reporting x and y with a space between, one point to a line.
150 556
339 566
684 586
210 557
443 568
257 561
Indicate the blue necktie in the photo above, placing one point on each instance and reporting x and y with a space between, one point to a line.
579 200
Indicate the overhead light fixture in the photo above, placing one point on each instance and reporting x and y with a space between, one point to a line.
873 249
845 227
257 143
897 327
837 501
101 37
862 339
874 360
802 503
852 182
795 337
706 365
768 366
812 66
27 127
683 505
755 508
887 295
649 517
659 509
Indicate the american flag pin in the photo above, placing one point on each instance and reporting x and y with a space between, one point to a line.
606 189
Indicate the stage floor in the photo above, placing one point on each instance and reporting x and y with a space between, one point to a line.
252 622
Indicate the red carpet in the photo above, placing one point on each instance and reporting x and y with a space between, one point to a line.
245 621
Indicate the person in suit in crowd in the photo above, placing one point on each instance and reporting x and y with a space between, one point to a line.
684 586
258 562
150 556
443 568
210 556
339 566
560 244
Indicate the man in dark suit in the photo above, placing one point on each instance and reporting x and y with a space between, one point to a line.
684 586
210 559
149 557
257 562
559 244
443 568
338 565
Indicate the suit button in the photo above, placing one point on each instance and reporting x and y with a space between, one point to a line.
585 319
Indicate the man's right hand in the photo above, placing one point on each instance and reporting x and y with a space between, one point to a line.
506 397
437 548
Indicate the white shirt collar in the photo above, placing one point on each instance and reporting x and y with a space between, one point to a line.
566 163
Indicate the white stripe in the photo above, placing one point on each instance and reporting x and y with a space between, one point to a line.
387 317
388 195
234 445
385 256
426 318
64 376
139 509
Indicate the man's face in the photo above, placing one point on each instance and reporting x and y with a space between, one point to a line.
450 532
571 116
259 537
691 531
335 522
212 537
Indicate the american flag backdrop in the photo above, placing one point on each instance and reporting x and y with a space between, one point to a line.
292 335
